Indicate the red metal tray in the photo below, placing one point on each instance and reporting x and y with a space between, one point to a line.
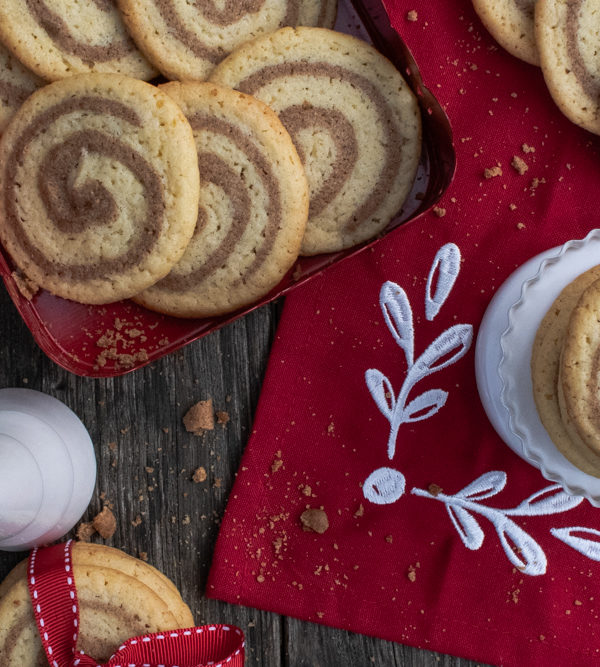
111 340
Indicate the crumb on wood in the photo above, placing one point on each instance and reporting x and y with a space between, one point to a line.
492 172
143 555
519 165
199 475
105 523
314 520
137 521
199 417
222 417
85 530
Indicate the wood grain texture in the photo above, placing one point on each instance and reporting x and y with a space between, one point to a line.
146 460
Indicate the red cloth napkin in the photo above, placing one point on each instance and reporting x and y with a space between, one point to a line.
432 565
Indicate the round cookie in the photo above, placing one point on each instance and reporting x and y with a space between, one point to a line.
545 362
579 373
98 187
16 85
568 37
253 205
185 39
354 121
119 598
511 24
56 39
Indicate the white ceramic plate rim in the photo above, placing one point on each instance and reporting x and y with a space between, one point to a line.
524 316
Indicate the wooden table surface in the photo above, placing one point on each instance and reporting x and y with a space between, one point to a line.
145 464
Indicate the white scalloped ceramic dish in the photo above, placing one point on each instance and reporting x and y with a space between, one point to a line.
559 267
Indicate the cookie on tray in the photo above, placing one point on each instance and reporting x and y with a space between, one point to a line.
16 85
545 363
98 187
568 37
119 597
579 372
511 24
253 205
59 39
354 121
185 40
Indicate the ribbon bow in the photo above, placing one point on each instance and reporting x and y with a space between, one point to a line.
54 599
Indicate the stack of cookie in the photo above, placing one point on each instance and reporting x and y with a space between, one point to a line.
563 36
119 597
565 367
193 198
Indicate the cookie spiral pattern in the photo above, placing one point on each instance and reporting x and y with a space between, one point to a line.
253 205
511 24
98 185
186 39
56 39
119 597
16 85
354 121
568 36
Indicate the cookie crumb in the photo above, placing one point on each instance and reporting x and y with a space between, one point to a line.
199 475
314 520
519 165
85 532
260 579
137 521
105 523
439 211
199 418
143 555
412 15
25 285
520 225
527 149
492 172
389 539
434 489
360 511
222 417
412 573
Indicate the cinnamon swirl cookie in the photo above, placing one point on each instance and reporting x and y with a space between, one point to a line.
119 597
16 85
354 121
56 39
185 39
253 205
545 362
98 187
579 373
568 36
511 24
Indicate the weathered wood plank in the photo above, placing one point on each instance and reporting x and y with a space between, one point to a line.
145 464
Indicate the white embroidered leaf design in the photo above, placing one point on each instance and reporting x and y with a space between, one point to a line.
520 548
424 406
382 392
587 547
384 486
447 348
445 267
485 486
398 317
466 526
549 500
